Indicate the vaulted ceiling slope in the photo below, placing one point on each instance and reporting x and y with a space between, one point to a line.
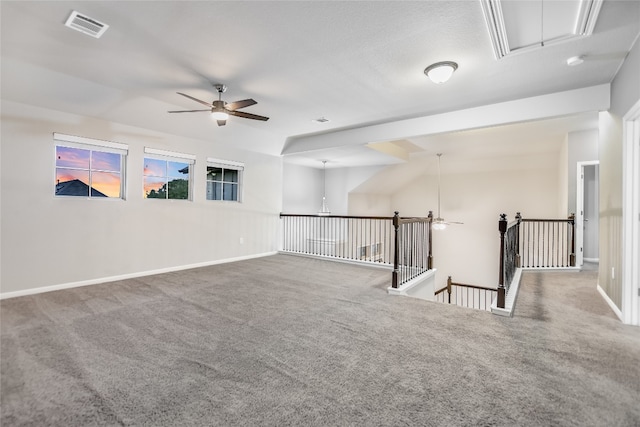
354 63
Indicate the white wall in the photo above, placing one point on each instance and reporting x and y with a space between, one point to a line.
563 178
301 189
49 241
341 181
625 92
582 147
470 252
303 185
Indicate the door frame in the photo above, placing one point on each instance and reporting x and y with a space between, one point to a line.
580 209
631 216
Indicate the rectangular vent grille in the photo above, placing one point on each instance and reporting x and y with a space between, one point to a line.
86 25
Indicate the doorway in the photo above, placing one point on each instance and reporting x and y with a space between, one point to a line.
587 215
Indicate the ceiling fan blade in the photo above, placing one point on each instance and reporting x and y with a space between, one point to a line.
454 222
240 104
188 111
221 122
248 115
195 99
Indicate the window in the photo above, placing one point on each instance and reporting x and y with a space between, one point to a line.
224 180
167 175
89 167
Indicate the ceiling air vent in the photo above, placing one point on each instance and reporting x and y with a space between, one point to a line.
86 25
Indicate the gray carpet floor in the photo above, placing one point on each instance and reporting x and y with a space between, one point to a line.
285 340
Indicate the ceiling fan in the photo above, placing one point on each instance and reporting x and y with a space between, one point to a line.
439 223
221 110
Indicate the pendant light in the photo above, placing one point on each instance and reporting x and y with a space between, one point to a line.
439 223
324 209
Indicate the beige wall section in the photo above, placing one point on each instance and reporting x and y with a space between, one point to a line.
625 92
369 204
470 252
49 240
563 178
611 206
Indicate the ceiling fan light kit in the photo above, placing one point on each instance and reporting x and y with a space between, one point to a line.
440 72
219 115
221 110
575 60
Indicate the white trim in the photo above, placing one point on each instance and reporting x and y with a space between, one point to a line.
229 164
591 259
342 260
413 289
33 291
169 154
579 209
71 141
615 309
510 298
630 306
551 269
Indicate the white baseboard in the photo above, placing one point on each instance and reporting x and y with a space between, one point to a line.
615 309
422 287
591 259
33 291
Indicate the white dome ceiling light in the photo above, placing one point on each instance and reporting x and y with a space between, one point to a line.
440 72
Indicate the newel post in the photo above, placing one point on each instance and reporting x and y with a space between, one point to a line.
449 288
572 256
502 227
430 255
396 225
518 221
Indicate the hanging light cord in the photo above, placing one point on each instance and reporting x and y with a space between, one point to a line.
439 155
541 23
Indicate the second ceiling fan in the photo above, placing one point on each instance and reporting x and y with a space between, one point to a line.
439 223
221 110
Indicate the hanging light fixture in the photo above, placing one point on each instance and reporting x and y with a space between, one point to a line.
324 209
440 72
439 223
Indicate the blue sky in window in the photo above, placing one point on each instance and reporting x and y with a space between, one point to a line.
174 169
72 157
105 161
155 167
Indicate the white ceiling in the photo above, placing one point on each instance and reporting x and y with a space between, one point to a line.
355 63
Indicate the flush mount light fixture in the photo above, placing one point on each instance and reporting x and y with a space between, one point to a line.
575 60
440 72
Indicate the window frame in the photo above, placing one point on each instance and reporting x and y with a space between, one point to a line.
228 165
91 145
169 156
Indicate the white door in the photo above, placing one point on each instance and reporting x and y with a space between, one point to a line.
587 212
591 214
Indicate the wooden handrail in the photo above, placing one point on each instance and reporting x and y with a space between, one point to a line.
451 284
335 216
548 220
